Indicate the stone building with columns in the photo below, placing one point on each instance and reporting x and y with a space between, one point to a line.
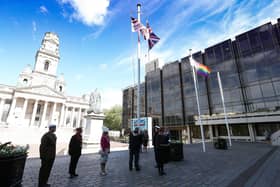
39 97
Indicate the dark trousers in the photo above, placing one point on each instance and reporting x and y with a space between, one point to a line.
45 170
73 164
134 154
156 156
159 159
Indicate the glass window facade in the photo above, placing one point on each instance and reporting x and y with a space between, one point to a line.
127 108
172 99
189 91
259 69
249 69
142 101
154 103
226 65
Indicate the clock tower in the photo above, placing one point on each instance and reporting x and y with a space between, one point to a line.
47 56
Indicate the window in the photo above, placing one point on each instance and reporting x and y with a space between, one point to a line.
210 57
255 41
25 81
244 45
266 38
46 66
218 54
38 109
60 88
226 50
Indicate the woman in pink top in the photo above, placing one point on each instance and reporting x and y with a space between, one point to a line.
105 150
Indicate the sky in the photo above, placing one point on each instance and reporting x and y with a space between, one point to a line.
98 49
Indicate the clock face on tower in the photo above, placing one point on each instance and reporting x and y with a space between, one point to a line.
50 46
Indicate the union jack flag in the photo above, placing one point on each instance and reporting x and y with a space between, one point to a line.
153 39
136 25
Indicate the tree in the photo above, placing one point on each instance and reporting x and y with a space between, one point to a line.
113 117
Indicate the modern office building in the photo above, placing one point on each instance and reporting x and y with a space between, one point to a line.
249 67
40 98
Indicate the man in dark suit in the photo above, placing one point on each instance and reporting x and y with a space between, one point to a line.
47 155
156 129
75 151
135 142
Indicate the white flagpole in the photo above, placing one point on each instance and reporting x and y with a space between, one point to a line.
198 106
223 101
138 57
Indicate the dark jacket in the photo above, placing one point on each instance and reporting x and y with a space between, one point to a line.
154 138
75 145
162 146
135 141
48 146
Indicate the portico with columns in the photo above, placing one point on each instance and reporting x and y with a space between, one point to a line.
40 98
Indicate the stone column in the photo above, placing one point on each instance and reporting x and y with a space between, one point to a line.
53 119
34 113
217 131
211 132
83 118
65 116
79 117
44 114
72 116
251 133
2 102
25 104
189 134
11 112
61 115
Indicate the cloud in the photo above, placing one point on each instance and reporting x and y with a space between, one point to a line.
111 97
201 24
34 27
43 9
103 66
238 19
78 77
89 12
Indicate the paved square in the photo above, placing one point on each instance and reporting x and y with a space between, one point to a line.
213 168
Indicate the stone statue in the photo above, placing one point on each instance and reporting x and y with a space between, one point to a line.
95 102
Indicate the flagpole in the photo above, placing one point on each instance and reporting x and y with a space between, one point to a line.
138 57
148 45
224 106
198 106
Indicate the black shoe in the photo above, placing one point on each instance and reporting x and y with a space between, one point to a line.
130 169
73 175
137 169
47 185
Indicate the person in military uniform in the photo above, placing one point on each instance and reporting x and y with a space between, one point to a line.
47 155
75 151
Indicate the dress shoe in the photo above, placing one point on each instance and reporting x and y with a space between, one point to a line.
73 175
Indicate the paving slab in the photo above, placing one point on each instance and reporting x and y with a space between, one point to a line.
213 168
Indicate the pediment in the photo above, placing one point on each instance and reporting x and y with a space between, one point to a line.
41 90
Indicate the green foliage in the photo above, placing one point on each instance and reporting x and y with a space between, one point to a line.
113 117
9 150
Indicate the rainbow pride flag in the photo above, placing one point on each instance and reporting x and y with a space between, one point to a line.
200 68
